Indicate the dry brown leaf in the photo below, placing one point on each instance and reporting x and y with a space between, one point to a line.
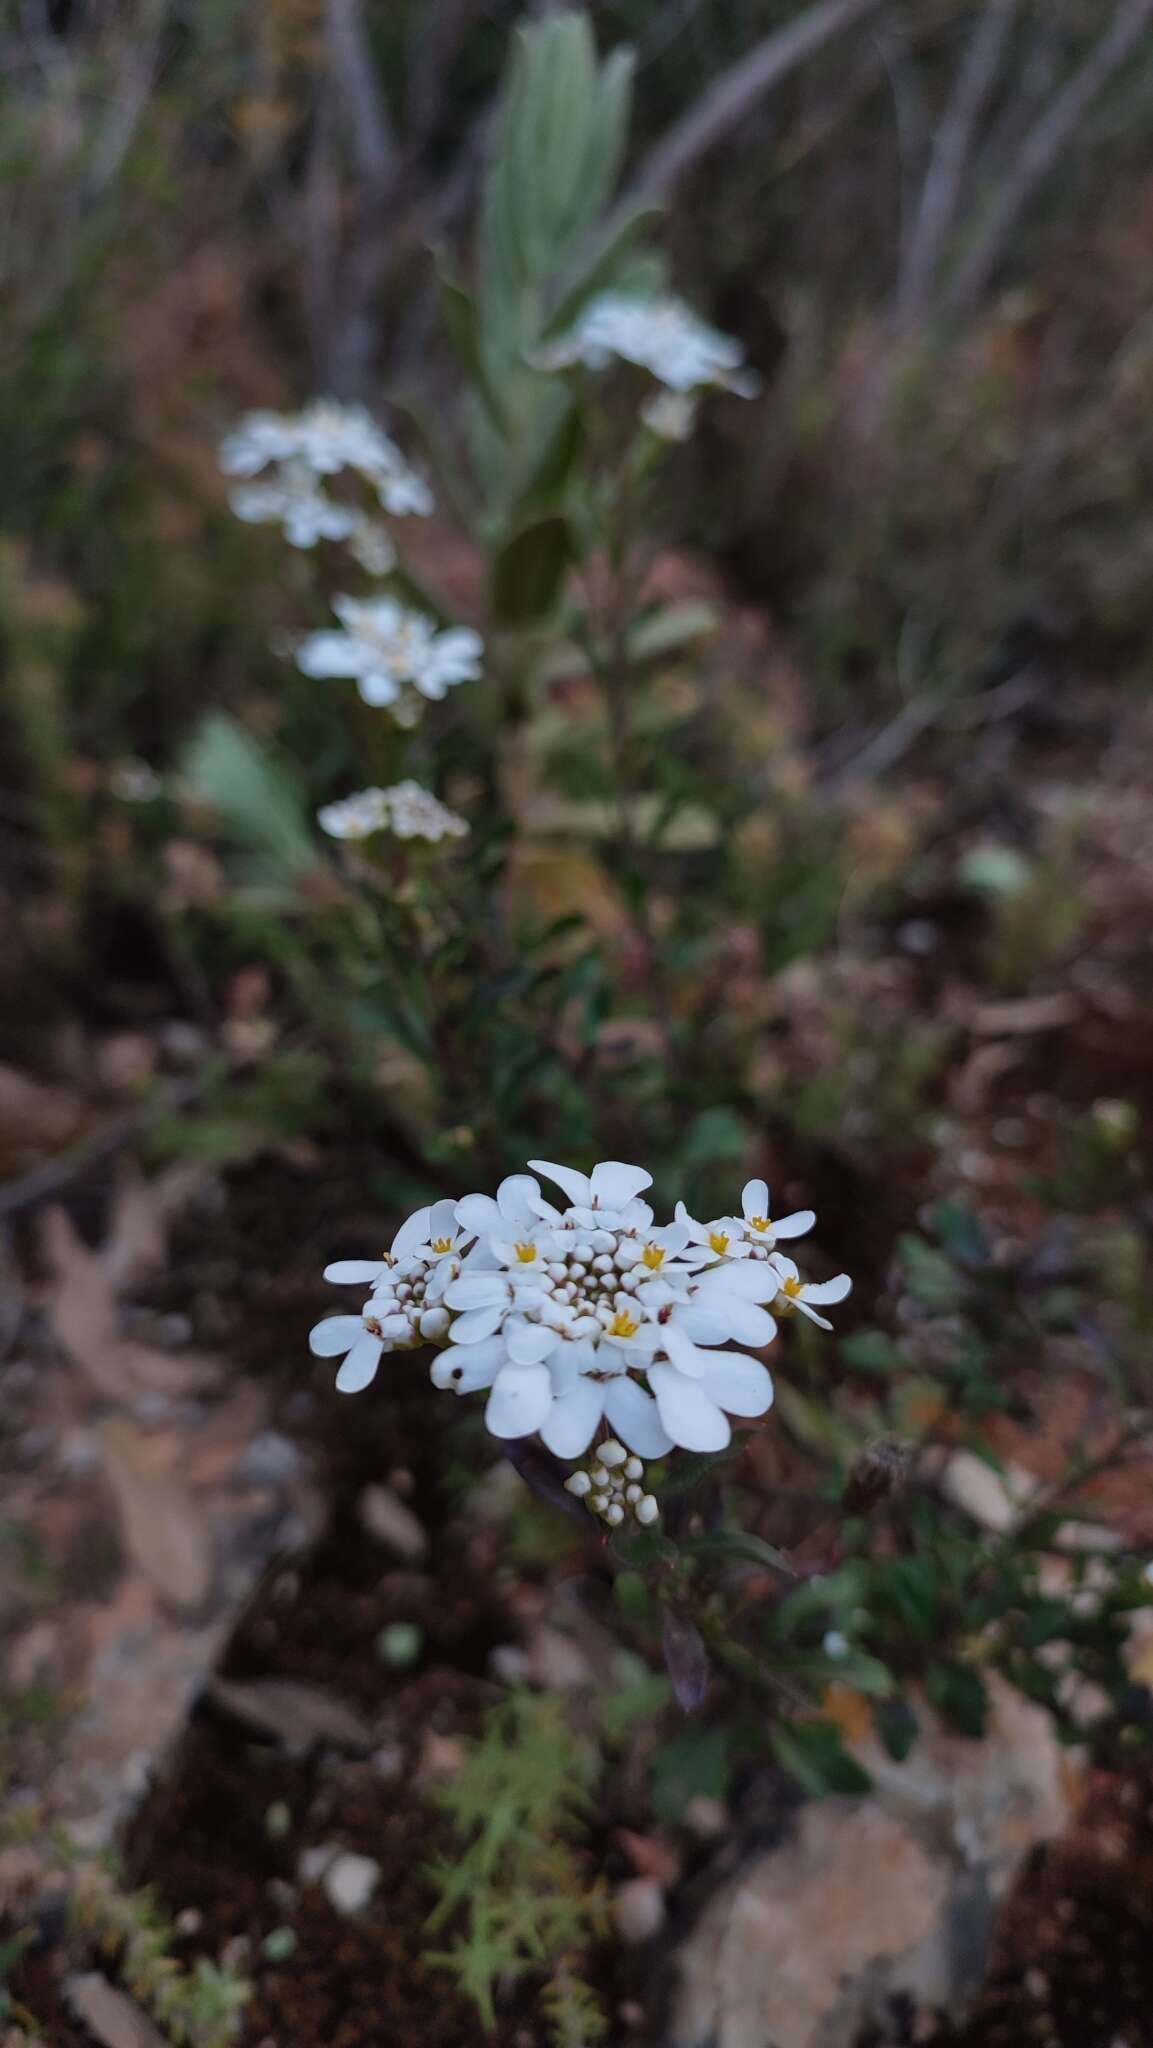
83 1310
1021 1019
163 1531
116 2020
300 1716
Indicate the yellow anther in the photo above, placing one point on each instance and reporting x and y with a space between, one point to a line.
719 1240
526 1253
654 1257
758 1222
442 1244
623 1325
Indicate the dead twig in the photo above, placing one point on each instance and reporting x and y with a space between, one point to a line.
735 93
1041 150
952 150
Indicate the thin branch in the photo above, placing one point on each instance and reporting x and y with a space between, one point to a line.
736 92
1042 149
354 74
952 150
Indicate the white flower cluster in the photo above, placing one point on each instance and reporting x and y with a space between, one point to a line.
406 810
298 450
661 335
390 652
588 1317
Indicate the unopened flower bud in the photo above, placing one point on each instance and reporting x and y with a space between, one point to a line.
579 1483
646 1509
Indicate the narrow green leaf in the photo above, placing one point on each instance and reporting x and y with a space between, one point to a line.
528 573
257 796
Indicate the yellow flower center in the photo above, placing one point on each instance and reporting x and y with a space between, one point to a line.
654 1257
526 1253
758 1222
623 1325
719 1240
442 1244
793 1288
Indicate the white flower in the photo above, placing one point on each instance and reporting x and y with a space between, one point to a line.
322 440
406 810
661 335
355 817
571 1311
834 1644
406 1307
385 648
806 1295
414 813
753 1234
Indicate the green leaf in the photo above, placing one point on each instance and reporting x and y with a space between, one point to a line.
555 462
696 1764
528 573
598 269
813 1753
959 1693
897 1726
462 324
258 797
670 627
929 1275
741 1545
870 1351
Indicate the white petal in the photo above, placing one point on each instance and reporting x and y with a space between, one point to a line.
378 688
755 1198
750 1324
576 1186
797 1224
518 1200
478 1214
568 1427
331 654
467 1367
683 1352
529 1342
686 1411
334 1335
830 1290
441 1221
747 1279
741 1385
633 1414
614 1185
477 1290
521 1398
346 1272
704 1326
360 1366
476 1323
412 1232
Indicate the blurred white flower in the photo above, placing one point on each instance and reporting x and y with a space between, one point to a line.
406 810
659 334
293 500
406 1307
355 817
322 440
385 647
414 813
670 415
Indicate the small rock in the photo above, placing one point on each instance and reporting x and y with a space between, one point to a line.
384 1515
350 1881
638 1910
